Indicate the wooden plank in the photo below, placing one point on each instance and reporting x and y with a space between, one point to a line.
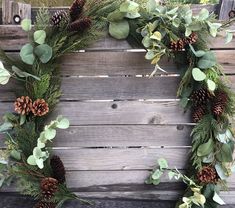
12 38
127 112
122 158
122 136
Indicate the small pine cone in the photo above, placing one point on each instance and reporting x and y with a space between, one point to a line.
76 9
198 113
49 186
80 25
58 169
207 175
42 204
200 97
40 107
192 38
58 17
23 105
178 45
231 14
219 103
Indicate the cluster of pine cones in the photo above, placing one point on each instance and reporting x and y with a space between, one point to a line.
50 185
76 22
207 175
24 105
202 100
180 44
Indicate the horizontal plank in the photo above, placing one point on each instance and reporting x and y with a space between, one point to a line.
13 38
125 112
122 136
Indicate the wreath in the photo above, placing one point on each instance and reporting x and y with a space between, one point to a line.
163 30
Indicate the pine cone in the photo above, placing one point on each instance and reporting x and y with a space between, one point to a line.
58 169
23 105
219 103
198 113
177 45
76 9
80 25
58 17
40 107
192 38
49 186
200 97
42 204
231 14
207 175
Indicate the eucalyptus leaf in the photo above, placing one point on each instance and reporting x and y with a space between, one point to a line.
115 16
207 61
39 163
203 14
221 171
218 199
206 148
26 54
23 74
214 28
225 154
119 30
199 53
157 174
31 160
163 163
26 25
15 154
151 6
50 134
156 36
176 22
171 175
44 53
63 123
198 75
4 75
173 11
22 119
6 126
211 85
229 37
37 152
39 36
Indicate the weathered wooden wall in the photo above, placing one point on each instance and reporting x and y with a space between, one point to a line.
122 121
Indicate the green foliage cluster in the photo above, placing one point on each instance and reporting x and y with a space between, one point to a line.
156 27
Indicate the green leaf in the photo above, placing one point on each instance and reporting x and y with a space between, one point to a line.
50 134
31 160
203 14
39 163
39 36
221 172
44 53
23 74
15 154
176 22
171 175
214 28
188 32
199 53
211 85
6 126
173 11
63 123
40 144
217 199
188 16
119 30
156 36
26 25
129 7
4 75
229 37
26 54
206 148
22 119
157 174
198 75
151 6
162 163
115 16
37 153
147 42
225 154
207 61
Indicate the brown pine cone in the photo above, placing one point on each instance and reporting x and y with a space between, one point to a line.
198 113
58 169
80 25
219 103
207 175
23 105
200 97
49 186
76 9
40 107
192 38
177 45
42 204
58 17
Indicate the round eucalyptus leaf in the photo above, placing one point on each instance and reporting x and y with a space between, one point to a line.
198 75
26 25
63 123
211 85
15 154
4 75
31 160
39 163
129 7
44 53
40 144
203 14
50 134
115 16
119 30
207 61
26 54
37 152
205 149
39 36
